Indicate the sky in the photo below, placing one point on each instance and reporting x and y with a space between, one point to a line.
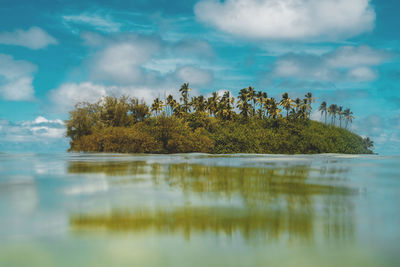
55 53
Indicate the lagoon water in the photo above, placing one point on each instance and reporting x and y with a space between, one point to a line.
199 210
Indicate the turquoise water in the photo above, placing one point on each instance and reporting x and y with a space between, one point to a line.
199 210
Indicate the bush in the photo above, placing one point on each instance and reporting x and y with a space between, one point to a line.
118 139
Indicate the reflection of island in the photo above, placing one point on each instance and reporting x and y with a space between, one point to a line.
249 223
248 181
277 200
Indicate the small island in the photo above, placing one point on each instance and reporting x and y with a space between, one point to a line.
219 124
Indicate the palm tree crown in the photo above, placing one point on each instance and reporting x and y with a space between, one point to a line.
185 96
286 103
323 109
157 105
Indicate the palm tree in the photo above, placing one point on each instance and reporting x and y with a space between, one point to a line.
252 97
303 113
139 110
286 103
273 109
199 103
308 100
243 105
170 103
212 103
185 96
157 105
368 143
225 106
332 110
340 113
323 109
348 116
261 100
179 111
297 104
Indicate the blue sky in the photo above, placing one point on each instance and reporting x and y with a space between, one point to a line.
56 53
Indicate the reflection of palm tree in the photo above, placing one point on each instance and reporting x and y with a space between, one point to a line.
262 190
188 220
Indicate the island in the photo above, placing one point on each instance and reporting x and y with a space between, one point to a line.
218 124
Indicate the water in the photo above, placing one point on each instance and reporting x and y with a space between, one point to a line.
199 210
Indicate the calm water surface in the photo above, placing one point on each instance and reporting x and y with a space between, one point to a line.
199 210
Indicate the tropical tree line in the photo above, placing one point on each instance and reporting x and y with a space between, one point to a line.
251 123
337 114
250 103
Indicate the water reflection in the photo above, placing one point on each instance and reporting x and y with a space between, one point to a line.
227 180
251 224
110 168
276 200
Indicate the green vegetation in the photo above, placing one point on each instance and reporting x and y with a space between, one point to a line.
212 125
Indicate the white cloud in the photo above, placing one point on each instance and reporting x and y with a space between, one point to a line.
168 65
16 78
129 59
346 64
194 48
33 38
67 95
288 19
362 74
93 39
383 130
361 56
147 61
41 119
139 66
122 62
99 23
194 75
39 130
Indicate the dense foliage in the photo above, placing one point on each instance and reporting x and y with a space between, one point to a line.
211 125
